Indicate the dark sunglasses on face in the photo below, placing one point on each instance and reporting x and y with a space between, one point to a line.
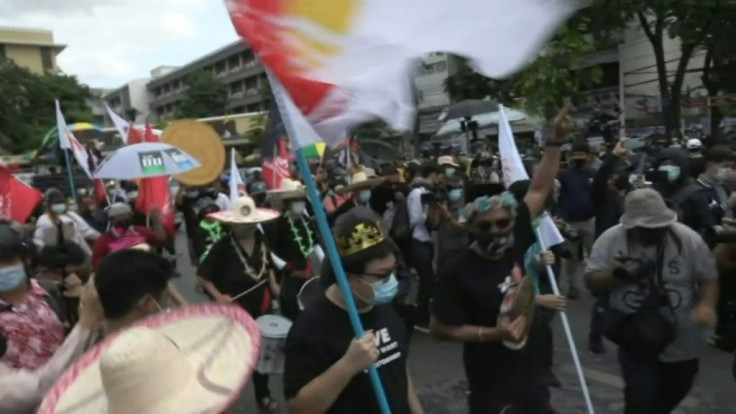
501 224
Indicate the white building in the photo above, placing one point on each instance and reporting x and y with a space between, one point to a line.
429 81
131 101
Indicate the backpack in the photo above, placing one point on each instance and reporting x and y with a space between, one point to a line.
401 228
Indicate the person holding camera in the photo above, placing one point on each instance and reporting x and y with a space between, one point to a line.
663 287
450 218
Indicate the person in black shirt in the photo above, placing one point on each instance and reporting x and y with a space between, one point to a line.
467 301
292 238
238 269
325 369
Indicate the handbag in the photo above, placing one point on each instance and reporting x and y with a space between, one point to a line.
647 332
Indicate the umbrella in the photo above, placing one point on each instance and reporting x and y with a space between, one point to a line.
82 126
483 120
470 107
315 150
148 159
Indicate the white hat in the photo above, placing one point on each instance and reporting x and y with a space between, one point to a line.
118 209
289 190
360 181
447 160
193 359
646 208
244 211
693 143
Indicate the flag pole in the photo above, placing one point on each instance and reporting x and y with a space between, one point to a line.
324 229
70 175
568 332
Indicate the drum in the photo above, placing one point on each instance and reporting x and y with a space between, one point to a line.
310 292
274 329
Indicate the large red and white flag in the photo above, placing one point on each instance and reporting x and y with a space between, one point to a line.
344 62
154 193
513 171
17 200
67 141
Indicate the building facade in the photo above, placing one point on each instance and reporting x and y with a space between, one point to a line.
131 101
235 65
32 49
429 81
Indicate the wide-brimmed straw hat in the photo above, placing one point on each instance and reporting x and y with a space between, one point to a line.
244 211
289 190
646 208
447 160
361 181
195 359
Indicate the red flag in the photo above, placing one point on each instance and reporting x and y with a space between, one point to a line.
100 190
135 136
17 200
154 193
276 169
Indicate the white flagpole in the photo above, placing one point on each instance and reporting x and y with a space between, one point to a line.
568 332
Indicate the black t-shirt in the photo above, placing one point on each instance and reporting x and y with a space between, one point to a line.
468 292
321 336
283 243
225 270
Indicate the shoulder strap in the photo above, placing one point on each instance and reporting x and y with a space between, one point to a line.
54 299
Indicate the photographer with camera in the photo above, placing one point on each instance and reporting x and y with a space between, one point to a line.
663 287
449 217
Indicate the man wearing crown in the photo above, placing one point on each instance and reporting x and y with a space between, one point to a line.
326 368
471 303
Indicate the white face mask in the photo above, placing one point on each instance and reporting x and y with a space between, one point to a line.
132 195
297 207
723 173
58 208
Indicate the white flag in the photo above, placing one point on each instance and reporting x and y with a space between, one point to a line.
513 171
236 182
68 141
121 124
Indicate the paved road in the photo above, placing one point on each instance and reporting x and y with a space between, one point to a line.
437 369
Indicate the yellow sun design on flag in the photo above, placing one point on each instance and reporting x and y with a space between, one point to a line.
333 17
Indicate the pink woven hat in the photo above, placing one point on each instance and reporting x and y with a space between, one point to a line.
195 359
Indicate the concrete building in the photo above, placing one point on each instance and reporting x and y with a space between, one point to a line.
131 101
431 97
32 49
234 65
97 105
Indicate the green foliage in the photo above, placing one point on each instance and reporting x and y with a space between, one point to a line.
558 72
27 105
205 97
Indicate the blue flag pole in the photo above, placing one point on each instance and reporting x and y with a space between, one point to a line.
329 242
70 175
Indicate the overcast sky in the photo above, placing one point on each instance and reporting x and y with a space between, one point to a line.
112 41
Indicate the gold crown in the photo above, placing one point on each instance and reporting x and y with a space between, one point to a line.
363 236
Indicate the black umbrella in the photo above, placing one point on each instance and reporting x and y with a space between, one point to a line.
470 107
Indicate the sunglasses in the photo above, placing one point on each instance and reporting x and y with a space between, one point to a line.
501 224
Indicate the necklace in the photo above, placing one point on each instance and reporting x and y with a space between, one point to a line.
248 269
309 248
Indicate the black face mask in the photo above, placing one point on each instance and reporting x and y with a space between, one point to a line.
492 244
621 182
577 163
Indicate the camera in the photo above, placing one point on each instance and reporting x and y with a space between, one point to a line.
570 233
631 270
723 233
434 195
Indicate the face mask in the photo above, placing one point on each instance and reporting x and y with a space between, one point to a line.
132 195
384 291
12 277
192 193
577 163
493 244
364 196
59 208
455 195
673 172
449 172
621 182
297 207
723 173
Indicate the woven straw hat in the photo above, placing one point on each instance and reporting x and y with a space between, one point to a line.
361 181
290 190
244 211
195 359
201 142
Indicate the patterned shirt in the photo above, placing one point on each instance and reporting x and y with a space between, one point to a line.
32 329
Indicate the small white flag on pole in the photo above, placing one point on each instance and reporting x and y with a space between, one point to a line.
68 141
236 182
513 171
121 124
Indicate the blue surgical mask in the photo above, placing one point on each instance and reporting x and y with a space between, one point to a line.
449 172
673 172
364 196
456 194
59 208
384 291
11 277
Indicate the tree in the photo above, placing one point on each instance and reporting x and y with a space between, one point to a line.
689 21
558 72
27 105
205 96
